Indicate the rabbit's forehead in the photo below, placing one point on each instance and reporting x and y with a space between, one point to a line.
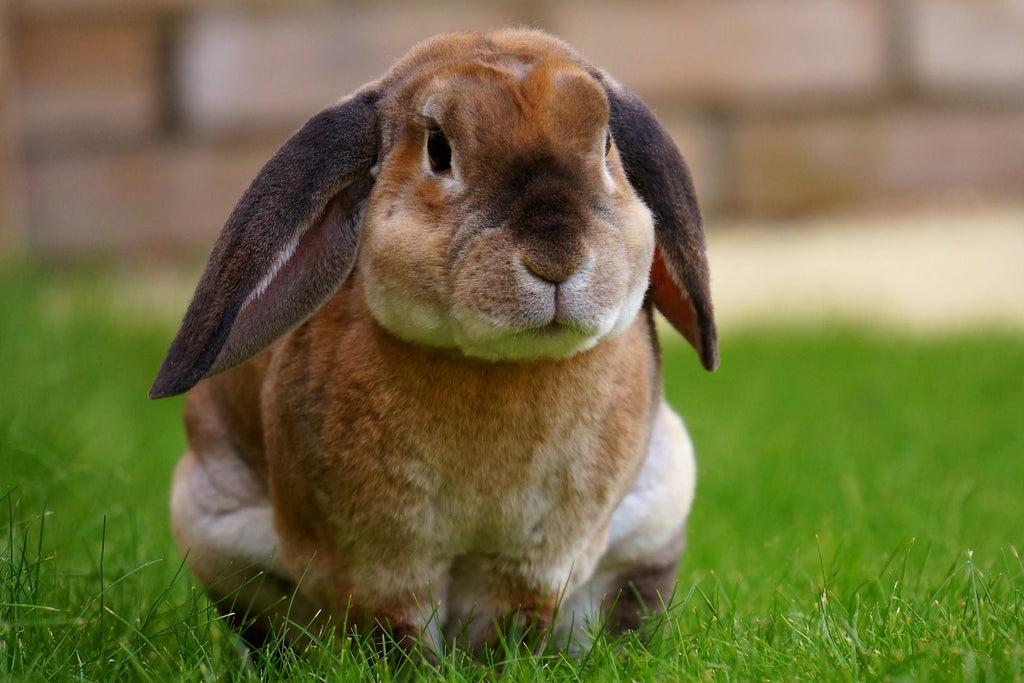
518 94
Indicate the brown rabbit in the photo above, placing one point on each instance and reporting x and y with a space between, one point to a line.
425 382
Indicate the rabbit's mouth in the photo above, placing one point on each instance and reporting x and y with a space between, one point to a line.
559 326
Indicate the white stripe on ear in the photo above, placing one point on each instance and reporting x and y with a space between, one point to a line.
279 261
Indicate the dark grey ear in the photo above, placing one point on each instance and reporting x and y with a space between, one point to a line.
286 248
679 275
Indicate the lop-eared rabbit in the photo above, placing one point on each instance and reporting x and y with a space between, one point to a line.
425 387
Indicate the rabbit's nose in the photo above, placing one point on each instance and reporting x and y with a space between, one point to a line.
553 270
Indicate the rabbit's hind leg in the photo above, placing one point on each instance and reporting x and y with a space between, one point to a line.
222 520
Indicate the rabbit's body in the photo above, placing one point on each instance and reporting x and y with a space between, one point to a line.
471 429
449 475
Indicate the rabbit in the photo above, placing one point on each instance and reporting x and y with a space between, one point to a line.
425 400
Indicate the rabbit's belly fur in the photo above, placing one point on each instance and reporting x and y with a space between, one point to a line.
222 516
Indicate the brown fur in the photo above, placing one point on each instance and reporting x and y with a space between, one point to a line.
467 410
454 427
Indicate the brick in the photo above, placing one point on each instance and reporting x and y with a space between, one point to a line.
242 70
11 223
87 82
163 199
732 51
909 155
972 47
74 9
957 151
793 166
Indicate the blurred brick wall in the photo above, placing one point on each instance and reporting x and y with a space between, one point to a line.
134 125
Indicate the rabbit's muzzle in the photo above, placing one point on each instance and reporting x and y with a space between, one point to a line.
554 296
555 278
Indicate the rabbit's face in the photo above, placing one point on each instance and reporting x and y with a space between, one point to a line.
475 192
502 223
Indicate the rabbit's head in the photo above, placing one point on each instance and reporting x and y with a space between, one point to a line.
497 196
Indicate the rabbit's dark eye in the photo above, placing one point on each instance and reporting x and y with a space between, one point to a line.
439 151
607 143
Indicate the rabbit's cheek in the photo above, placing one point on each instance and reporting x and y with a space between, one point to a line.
637 235
601 298
616 283
405 279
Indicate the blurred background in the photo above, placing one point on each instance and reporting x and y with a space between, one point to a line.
867 149
860 165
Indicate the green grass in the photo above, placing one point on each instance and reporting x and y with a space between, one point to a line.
858 517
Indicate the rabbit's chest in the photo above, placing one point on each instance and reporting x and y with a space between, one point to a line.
445 458
510 491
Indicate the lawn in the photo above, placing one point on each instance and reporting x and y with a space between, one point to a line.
859 510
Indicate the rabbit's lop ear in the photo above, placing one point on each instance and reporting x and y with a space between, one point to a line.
286 248
656 170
